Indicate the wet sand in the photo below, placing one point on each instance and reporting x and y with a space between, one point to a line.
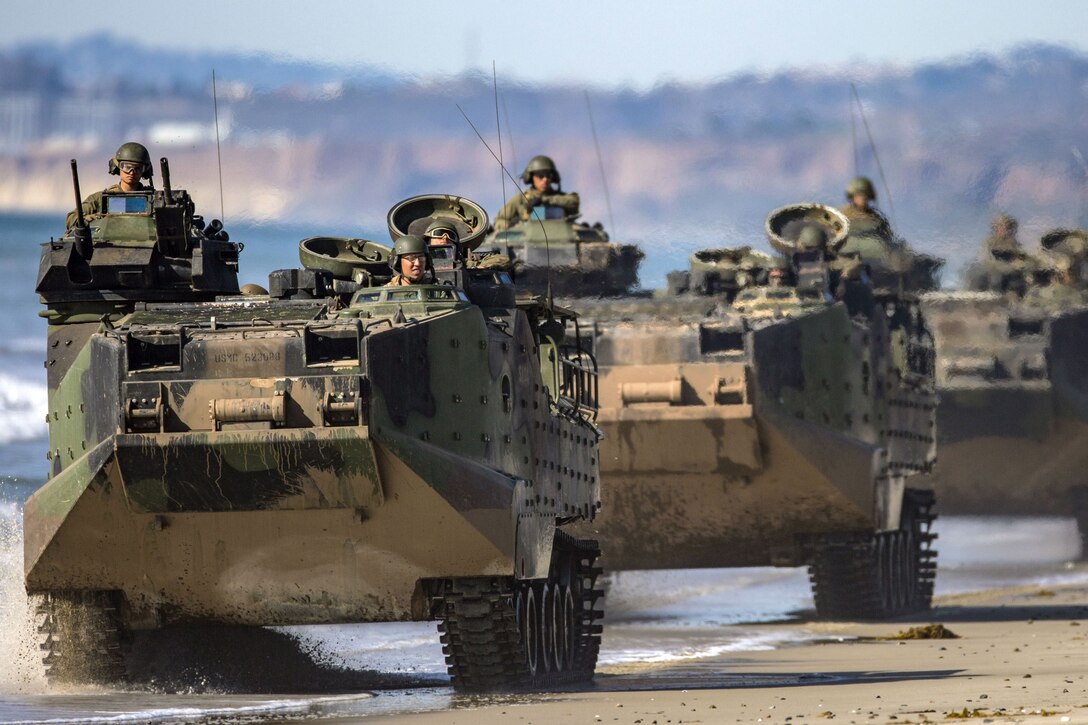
1022 657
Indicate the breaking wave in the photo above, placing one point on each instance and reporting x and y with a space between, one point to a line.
23 406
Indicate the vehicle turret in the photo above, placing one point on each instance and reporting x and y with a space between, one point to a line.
146 245
576 259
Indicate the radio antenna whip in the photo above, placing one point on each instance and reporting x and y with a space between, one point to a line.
498 130
854 135
543 229
509 134
872 145
600 165
218 150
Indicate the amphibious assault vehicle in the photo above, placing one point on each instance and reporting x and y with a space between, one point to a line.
1012 375
329 450
583 261
775 421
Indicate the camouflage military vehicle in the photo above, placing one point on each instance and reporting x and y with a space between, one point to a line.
1012 376
893 266
779 429
582 258
891 263
331 451
724 271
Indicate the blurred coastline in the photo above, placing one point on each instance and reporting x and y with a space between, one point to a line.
689 165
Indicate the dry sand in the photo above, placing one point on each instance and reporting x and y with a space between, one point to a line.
1022 657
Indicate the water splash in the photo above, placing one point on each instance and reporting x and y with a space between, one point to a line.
20 660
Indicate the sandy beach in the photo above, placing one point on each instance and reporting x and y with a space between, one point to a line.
1022 657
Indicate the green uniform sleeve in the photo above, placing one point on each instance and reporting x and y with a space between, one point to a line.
510 214
568 202
91 205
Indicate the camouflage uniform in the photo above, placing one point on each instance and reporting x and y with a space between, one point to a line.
92 205
491 260
867 222
1002 245
399 280
517 209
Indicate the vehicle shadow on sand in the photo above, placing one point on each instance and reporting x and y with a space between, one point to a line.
1007 613
735 679
964 613
247 660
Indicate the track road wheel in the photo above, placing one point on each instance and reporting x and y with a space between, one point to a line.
499 633
886 574
82 637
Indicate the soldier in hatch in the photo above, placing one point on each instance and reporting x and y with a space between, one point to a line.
410 262
132 163
1003 243
441 232
542 178
864 218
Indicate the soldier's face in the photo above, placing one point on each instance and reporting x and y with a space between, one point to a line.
412 266
130 174
441 236
541 181
861 201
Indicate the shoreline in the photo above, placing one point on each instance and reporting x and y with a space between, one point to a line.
1022 657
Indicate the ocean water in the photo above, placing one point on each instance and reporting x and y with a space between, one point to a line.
676 616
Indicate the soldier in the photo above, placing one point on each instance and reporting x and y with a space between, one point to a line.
1003 243
132 163
441 232
812 238
542 178
409 261
865 220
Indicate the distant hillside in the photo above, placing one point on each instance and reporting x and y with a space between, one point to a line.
101 62
688 166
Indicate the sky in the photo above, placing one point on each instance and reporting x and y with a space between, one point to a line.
604 42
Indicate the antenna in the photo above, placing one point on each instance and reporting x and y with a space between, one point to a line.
547 245
854 135
509 133
600 165
498 130
872 145
218 151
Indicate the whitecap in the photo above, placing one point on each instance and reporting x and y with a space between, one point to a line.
23 406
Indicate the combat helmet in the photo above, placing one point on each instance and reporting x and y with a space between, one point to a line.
438 226
1007 221
540 163
861 185
133 152
811 237
409 244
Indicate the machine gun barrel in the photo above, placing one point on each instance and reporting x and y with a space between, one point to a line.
83 245
79 197
165 165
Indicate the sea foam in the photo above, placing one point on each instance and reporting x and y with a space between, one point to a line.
23 406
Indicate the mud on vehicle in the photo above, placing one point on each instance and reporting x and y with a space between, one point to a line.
327 450
776 421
